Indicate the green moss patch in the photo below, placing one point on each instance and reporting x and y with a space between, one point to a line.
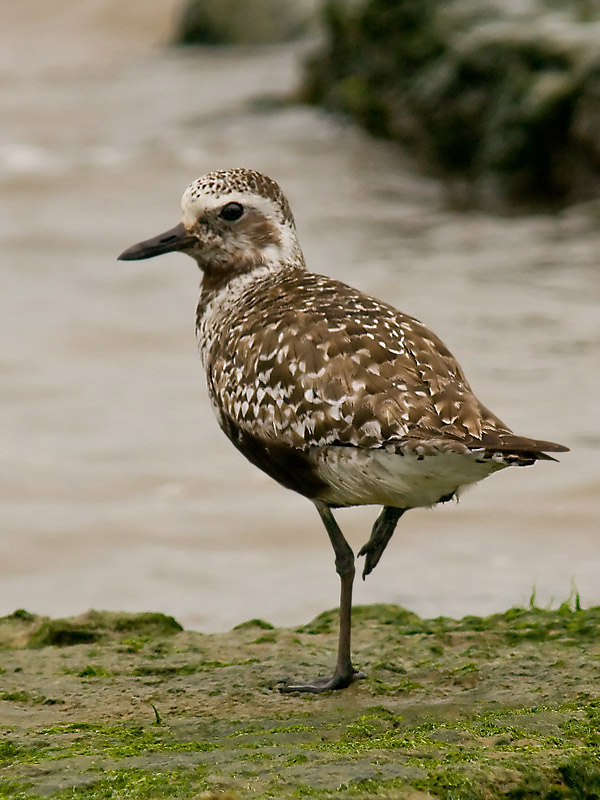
22 629
504 706
501 98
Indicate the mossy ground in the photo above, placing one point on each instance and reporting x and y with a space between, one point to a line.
131 706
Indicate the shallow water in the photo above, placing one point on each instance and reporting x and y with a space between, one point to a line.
117 488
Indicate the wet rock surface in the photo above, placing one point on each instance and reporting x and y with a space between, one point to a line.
490 707
501 99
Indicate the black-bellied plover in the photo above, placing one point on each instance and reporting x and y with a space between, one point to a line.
332 393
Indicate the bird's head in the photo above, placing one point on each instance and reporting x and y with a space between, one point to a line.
233 222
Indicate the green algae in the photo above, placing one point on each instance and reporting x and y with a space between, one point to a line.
23 629
188 669
567 622
117 741
17 696
138 785
89 671
254 623
501 706
16 790
381 613
572 725
113 743
497 98
9 751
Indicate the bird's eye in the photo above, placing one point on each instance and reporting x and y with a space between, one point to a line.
231 211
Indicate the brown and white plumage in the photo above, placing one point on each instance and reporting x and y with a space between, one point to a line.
333 393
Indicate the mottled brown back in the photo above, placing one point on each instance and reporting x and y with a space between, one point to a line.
306 361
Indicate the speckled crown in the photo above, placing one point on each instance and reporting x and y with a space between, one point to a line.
230 181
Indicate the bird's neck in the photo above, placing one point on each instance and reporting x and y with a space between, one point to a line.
231 277
220 301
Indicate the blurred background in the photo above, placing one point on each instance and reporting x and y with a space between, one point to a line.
118 489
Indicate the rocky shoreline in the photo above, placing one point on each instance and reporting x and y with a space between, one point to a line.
501 100
113 705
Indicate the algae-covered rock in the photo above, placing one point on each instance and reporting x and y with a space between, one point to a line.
480 708
503 95
22 629
243 21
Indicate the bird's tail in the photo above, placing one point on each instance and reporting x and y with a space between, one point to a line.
521 449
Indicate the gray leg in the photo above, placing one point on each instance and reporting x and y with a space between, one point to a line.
344 564
384 527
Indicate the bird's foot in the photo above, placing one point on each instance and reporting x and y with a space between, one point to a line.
382 532
373 554
338 681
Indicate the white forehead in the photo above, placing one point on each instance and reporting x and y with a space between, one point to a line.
196 202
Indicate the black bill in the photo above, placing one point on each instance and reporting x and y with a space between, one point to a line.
178 238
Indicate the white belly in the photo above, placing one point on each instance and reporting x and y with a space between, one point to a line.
357 477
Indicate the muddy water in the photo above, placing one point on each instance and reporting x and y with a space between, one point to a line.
117 488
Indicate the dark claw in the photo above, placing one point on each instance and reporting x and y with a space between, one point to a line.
322 684
384 527
372 559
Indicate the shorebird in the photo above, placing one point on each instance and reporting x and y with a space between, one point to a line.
334 394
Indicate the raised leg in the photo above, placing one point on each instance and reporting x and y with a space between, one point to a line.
344 672
384 527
